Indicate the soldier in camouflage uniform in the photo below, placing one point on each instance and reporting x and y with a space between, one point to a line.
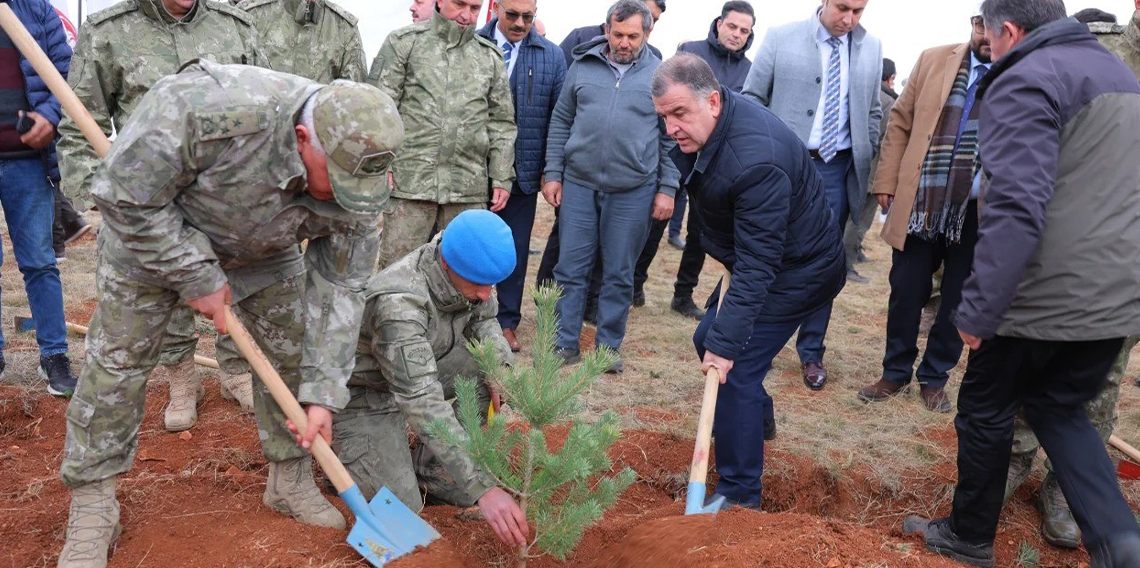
315 39
206 194
421 313
1058 525
121 52
455 99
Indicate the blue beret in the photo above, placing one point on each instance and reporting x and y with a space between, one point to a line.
479 247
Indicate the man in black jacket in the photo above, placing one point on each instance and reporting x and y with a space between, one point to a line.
763 214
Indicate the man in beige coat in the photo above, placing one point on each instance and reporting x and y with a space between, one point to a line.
928 179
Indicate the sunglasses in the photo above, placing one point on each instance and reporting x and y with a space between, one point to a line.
512 15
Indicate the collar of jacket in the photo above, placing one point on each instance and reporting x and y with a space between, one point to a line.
305 11
156 11
1133 32
446 297
855 36
723 51
1065 30
889 91
451 32
488 32
700 162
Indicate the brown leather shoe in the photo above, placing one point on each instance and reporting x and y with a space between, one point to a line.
815 376
881 391
512 340
935 399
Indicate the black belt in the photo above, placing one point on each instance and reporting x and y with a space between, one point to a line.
815 154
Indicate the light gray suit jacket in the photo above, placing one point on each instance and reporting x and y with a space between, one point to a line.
787 77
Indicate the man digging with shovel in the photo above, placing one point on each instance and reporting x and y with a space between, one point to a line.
205 194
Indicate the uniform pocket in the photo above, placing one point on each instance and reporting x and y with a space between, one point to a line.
80 412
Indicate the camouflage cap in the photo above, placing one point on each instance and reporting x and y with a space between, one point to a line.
360 130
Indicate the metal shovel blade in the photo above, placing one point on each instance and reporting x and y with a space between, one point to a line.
385 529
695 500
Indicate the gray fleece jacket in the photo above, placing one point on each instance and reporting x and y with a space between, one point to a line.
605 133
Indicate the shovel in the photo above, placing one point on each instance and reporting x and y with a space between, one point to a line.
1126 469
699 471
385 528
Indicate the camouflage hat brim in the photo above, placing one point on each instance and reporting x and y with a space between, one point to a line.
354 193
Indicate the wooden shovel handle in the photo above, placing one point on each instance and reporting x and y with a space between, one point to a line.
699 470
203 361
55 82
1125 448
285 399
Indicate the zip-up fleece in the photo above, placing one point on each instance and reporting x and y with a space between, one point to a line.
605 133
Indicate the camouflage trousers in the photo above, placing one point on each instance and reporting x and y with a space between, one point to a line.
181 337
104 415
371 437
1101 410
409 223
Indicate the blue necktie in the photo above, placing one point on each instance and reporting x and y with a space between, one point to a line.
971 95
829 142
508 50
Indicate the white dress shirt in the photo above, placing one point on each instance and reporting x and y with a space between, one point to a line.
844 139
501 39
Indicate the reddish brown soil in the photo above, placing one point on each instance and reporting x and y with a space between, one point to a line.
198 502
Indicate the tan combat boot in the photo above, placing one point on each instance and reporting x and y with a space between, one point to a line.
291 491
185 393
239 388
92 526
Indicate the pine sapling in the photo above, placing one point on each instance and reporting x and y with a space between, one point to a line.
564 492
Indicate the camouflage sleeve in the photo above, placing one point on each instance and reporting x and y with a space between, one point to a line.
339 266
252 43
389 69
407 362
150 163
501 130
484 324
352 65
97 88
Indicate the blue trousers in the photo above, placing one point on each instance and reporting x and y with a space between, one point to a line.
615 223
519 216
741 407
29 208
836 173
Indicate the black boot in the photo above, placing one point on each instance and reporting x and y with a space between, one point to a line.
687 308
940 539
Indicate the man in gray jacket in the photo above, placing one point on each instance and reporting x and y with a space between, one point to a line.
1052 294
608 168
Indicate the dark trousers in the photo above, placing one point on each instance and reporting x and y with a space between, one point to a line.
692 258
519 216
854 234
741 406
550 259
911 287
648 253
678 213
1050 381
835 174
67 221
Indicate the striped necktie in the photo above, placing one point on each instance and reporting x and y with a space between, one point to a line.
508 50
829 143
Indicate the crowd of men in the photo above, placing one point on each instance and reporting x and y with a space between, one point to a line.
366 223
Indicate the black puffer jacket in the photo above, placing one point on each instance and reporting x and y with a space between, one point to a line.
730 67
761 206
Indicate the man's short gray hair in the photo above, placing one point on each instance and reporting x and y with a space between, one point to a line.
623 10
1025 14
307 122
688 70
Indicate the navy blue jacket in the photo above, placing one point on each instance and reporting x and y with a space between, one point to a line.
585 34
730 67
535 85
43 23
761 207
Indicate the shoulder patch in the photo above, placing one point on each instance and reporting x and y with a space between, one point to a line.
419 359
1106 28
250 4
227 8
488 43
342 12
412 29
239 121
112 12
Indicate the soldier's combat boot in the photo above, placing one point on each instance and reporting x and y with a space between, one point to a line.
1020 466
239 388
291 491
185 393
1057 523
92 526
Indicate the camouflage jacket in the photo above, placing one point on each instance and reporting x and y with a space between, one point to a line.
1122 41
455 98
204 185
416 329
122 51
315 39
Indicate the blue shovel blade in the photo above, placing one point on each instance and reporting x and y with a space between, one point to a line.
385 529
695 500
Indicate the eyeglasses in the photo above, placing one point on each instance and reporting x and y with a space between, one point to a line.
513 15
979 24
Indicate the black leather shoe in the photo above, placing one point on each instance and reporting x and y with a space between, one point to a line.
815 376
687 308
940 539
638 298
568 356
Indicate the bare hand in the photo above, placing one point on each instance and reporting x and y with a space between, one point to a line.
391 180
662 207
722 365
41 134
496 400
320 422
885 201
499 197
974 343
552 191
504 516
213 306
